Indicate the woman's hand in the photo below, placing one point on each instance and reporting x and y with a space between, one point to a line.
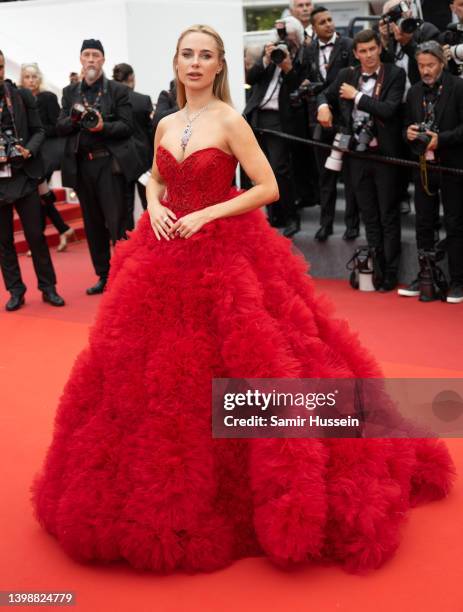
190 224
162 219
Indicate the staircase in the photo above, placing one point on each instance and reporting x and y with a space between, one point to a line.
71 214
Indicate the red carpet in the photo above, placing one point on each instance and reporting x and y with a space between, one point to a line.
39 344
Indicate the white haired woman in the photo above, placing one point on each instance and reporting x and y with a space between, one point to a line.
52 149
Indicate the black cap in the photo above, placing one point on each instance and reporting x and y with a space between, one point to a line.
92 43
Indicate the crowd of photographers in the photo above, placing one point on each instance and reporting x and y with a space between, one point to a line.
394 91
102 141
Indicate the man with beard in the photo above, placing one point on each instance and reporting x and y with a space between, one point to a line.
100 155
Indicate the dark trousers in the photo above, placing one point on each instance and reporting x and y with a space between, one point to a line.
104 208
427 211
278 152
49 210
328 181
130 199
305 173
375 186
28 209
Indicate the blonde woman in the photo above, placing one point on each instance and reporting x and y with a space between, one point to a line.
52 149
205 288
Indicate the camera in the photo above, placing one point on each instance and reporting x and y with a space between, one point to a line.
363 134
420 144
408 25
304 92
341 141
453 34
10 153
84 117
281 50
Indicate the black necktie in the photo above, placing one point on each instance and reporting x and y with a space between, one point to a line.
366 77
327 45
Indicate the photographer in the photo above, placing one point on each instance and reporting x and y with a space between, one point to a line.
273 78
452 40
365 101
99 155
302 10
401 34
142 109
21 136
324 58
434 129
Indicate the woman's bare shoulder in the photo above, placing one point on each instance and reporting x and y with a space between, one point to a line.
230 116
168 120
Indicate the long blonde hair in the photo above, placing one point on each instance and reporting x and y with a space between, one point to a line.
221 88
33 67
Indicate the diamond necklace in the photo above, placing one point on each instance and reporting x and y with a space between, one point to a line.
188 129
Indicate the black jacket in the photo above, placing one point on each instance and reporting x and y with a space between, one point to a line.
53 147
437 12
384 111
426 32
166 104
142 107
260 77
29 127
341 57
117 132
449 118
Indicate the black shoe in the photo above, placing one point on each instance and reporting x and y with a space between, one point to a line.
292 228
51 297
455 294
15 302
389 283
351 233
411 290
99 287
323 232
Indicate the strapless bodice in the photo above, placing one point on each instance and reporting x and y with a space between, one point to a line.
199 180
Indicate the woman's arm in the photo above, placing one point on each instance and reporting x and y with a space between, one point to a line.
162 218
253 161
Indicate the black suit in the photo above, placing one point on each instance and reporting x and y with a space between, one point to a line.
98 165
375 183
449 124
142 107
20 192
285 119
437 12
341 57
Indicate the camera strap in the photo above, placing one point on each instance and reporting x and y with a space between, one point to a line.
9 105
96 104
429 114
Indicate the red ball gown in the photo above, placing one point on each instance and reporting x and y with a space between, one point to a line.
133 472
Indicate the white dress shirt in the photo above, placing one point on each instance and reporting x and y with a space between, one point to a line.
270 99
324 54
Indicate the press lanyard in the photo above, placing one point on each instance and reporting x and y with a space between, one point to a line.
97 99
430 107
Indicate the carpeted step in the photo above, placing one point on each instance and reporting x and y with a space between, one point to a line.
51 235
69 212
